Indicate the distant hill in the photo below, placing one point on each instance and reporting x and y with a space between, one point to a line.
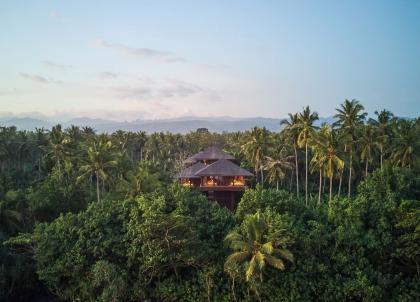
175 125
25 123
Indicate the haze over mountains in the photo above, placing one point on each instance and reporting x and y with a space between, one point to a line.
175 125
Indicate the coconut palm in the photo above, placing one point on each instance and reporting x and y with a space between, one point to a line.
317 164
56 148
306 129
74 133
256 148
384 124
407 144
253 251
140 179
326 155
350 117
41 142
99 163
292 133
277 167
368 140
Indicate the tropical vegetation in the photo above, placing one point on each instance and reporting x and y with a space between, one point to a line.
88 216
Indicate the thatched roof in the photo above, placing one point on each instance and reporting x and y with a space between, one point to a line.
223 167
190 160
211 153
191 171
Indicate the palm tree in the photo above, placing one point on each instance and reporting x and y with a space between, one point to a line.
88 131
277 167
141 179
254 251
384 123
406 146
291 131
306 129
349 118
41 141
74 133
256 148
316 143
99 162
368 140
139 142
326 156
57 146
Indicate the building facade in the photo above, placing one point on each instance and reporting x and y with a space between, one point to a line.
217 174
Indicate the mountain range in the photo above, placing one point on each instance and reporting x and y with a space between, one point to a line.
174 125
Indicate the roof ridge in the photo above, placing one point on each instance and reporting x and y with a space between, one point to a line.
239 170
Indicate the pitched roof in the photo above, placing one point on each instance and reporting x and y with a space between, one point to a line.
223 167
210 153
213 152
191 171
190 160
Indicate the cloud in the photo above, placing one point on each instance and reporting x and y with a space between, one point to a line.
39 79
136 93
165 90
34 77
178 88
142 53
107 75
54 65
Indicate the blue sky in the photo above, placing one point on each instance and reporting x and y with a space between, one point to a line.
157 59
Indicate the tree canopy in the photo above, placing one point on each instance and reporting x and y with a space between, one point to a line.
101 217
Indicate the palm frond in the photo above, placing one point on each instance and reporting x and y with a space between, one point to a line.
284 253
252 267
275 262
237 257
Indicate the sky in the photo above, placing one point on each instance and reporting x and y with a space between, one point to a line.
154 59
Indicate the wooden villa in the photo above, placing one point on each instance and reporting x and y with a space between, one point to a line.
217 174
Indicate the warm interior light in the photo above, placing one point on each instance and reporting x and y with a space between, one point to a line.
234 181
187 183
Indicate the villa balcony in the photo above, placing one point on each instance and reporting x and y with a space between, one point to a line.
236 188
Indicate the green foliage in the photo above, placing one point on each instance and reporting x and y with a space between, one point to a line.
257 243
149 239
130 250
67 251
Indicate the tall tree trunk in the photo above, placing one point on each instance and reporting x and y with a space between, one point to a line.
366 168
350 168
381 155
341 180
341 173
330 188
233 289
297 171
306 173
262 176
320 186
97 187
277 184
